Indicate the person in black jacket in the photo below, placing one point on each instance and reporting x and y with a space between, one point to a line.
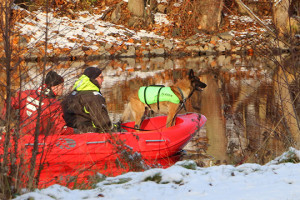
85 107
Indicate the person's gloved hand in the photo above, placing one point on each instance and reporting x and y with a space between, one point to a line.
116 127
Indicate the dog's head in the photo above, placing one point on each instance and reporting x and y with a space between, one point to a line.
195 81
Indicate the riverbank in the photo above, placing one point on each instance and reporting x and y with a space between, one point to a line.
88 37
279 179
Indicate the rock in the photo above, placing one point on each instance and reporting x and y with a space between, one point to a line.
168 44
130 52
108 45
201 48
214 38
229 66
161 8
130 61
116 14
227 46
78 52
63 56
90 26
193 48
159 51
32 54
209 49
77 64
169 64
103 52
191 41
225 36
145 52
221 60
204 40
211 45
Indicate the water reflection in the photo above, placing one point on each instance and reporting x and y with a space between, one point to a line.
212 104
239 101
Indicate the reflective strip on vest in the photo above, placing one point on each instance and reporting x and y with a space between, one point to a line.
85 110
32 105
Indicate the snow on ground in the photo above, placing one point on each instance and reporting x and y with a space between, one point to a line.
90 29
64 32
277 180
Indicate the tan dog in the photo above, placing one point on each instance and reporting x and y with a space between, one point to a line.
183 89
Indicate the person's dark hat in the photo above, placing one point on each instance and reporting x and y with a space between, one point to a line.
53 79
92 72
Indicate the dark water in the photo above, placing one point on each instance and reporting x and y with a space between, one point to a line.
243 122
239 103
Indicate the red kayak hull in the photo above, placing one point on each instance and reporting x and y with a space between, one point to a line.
79 155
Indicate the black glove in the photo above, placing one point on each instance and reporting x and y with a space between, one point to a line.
117 127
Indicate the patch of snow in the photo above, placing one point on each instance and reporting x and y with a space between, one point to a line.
63 31
245 19
160 18
249 181
162 1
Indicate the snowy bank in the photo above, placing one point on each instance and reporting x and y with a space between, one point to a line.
278 179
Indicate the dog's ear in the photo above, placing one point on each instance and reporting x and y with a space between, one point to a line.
191 74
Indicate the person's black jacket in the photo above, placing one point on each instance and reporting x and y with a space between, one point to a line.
85 108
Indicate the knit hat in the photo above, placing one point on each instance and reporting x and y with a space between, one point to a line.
53 79
92 72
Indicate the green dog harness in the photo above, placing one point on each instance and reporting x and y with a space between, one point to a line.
157 93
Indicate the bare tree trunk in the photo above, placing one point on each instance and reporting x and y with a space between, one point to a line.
33 176
136 7
286 103
281 17
6 34
210 15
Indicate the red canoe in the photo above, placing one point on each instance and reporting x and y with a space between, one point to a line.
64 156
